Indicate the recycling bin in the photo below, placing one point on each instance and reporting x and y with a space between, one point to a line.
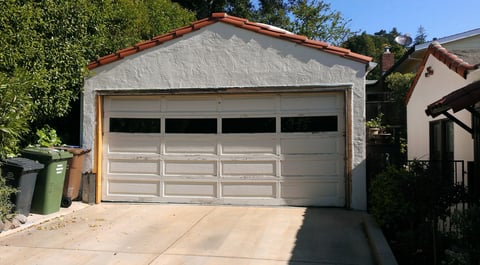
73 177
49 186
21 173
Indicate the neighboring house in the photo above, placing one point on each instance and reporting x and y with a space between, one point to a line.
436 131
378 98
228 111
412 59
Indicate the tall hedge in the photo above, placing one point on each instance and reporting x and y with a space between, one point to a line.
51 41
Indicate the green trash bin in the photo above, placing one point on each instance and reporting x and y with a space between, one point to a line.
49 186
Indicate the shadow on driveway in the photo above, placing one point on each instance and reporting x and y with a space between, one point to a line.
331 236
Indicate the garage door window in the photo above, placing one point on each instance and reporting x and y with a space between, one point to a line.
191 126
248 125
309 124
134 125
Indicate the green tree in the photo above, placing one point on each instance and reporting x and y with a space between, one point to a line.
273 12
312 18
374 46
421 36
316 20
240 8
16 105
203 8
53 40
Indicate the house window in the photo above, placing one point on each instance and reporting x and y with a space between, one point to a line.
248 125
309 124
191 125
134 125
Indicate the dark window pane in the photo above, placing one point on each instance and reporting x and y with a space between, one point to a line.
310 124
248 125
191 126
134 125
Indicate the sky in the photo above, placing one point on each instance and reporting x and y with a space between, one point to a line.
439 18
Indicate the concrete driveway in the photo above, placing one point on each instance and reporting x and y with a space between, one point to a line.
113 233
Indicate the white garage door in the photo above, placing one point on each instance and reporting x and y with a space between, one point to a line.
270 149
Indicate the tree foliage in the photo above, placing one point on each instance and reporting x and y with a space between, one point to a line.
51 41
399 84
407 203
316 20
374 46
421 36
312 18
16 105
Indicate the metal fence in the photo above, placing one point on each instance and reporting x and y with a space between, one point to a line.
451 172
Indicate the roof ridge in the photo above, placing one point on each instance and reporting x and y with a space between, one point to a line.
237 22
451 60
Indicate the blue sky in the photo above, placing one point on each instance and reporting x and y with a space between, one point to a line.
440 18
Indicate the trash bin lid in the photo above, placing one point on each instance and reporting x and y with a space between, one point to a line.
45 153
21 162
75 150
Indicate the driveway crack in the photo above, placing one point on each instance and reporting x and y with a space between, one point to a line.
184 234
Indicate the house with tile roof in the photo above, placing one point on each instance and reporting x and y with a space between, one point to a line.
441 101
228 111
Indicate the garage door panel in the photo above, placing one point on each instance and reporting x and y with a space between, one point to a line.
119 187
308 166
248 168
190 104
248 104
131 143
191 168
325 190
249 145
301 103
266 149
249 190
312 145
190 145
134 166
190 189
133 104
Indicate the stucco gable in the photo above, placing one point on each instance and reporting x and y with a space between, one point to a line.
221 54
236 22
460 62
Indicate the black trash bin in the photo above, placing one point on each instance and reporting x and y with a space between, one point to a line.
21 173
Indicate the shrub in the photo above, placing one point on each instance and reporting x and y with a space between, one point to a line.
408 203
465 247
15 106
48 137
6 205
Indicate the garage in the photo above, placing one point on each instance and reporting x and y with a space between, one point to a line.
228 111
270 149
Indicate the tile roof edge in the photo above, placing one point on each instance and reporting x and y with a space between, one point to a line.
237 22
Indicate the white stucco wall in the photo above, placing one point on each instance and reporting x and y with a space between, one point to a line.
428 90
223 56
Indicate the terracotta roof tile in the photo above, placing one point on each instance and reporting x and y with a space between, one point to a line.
235 21
202 23
127 51
164 38
452 61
